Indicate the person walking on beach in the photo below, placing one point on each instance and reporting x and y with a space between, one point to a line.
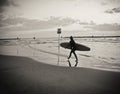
73 48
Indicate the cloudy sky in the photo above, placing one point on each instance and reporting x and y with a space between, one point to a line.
101 15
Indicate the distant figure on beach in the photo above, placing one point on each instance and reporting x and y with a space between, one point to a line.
73 49
34 38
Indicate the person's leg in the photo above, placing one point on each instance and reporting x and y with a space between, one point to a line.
70 54
75 55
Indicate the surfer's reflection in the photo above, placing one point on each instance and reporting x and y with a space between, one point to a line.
73 48
70 63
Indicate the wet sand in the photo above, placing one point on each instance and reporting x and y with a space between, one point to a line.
22 75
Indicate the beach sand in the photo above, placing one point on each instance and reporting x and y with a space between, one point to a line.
23 75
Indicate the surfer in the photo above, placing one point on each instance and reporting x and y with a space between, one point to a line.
73 48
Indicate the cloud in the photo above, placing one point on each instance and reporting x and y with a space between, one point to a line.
19 24
70 0
116 10
3 5
61 21
87 23
104 3
113 10
31 24
6 3
114 1
109 11
106 27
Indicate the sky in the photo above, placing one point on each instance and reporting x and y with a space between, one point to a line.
98 15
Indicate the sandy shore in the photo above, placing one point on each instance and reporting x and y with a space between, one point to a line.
22 75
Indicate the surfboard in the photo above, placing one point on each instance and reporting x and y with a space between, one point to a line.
79 47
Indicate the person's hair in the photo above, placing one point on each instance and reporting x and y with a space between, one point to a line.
71 37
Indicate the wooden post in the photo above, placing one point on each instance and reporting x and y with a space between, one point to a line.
58 32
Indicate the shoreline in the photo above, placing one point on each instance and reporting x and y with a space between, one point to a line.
45 50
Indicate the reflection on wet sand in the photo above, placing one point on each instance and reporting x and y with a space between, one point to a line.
69 62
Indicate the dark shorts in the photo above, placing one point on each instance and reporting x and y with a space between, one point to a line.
73 49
